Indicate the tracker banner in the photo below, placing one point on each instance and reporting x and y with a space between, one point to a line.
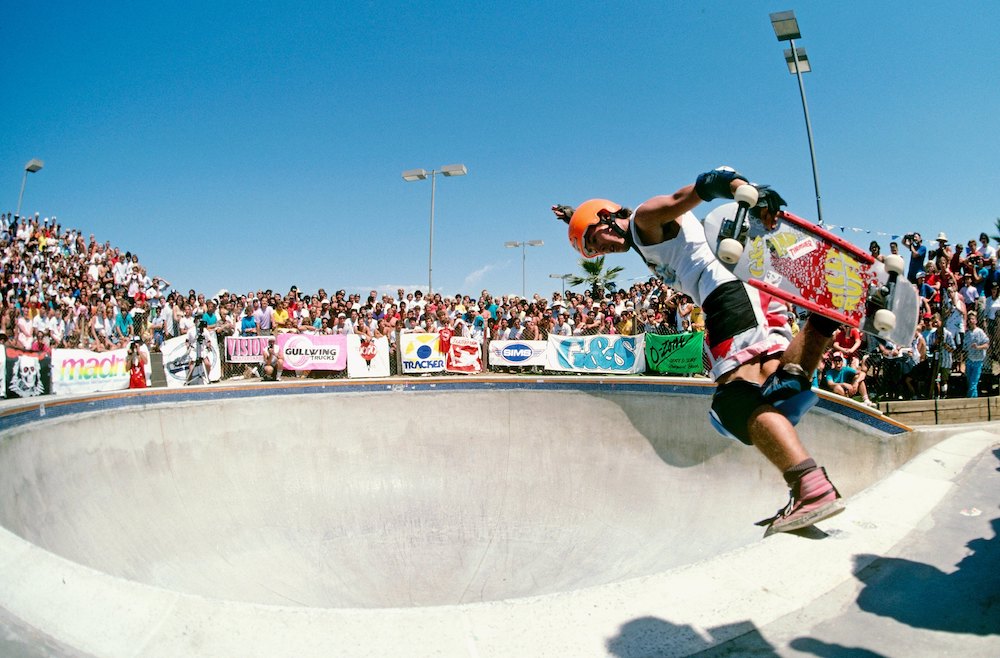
517 352
367 358
676 354
27 374
421 353
313 352
246 349
180 360
605 354
84 371
464 355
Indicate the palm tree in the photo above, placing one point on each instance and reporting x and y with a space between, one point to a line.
595 276
996 223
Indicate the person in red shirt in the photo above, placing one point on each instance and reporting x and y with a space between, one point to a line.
847 341
136 364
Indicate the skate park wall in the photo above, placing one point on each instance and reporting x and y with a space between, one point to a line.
394 494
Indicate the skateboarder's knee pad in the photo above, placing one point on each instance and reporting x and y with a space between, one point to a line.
732 406
824 325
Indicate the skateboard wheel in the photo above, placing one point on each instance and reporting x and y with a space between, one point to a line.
730 250
894 264
884 320
746 194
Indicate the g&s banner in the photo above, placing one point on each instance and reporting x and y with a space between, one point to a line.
313 352
421 353
83 371
621 355
675 354
367 358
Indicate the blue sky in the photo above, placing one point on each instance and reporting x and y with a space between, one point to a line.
250 145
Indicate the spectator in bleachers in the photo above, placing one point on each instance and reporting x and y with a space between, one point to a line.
975 346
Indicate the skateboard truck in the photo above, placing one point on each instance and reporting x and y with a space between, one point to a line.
880 297
733 233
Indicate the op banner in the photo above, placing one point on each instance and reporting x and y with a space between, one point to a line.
313 352
517 352
677 354
421 353
367 358
613 355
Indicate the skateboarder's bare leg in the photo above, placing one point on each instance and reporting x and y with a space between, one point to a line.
776 438
808 347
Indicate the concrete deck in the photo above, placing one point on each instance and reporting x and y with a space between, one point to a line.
487 517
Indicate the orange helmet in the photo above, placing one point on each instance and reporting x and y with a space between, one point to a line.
587 214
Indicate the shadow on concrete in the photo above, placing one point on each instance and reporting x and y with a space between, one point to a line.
831 649
648 637
920 595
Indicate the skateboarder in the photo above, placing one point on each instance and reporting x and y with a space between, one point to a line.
755 361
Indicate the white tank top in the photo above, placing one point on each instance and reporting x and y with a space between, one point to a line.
686 262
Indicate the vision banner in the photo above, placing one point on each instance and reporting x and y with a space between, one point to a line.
246 349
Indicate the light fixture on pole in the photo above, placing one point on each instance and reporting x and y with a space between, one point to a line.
411 175
33 165
786 28
563 277
524 256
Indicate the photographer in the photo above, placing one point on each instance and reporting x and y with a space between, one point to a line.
918 254
198 363
137 359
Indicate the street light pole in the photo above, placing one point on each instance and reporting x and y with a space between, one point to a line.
411 175
524 256
563 277
786 28
33 165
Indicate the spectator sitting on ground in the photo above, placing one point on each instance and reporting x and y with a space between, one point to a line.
844 380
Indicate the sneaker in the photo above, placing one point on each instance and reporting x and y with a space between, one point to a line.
813 498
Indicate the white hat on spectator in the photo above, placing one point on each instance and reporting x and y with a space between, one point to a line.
942 237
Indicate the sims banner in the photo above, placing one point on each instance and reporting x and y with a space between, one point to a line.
309 352
621 355
517 352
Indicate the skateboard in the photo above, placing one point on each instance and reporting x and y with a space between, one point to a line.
806 265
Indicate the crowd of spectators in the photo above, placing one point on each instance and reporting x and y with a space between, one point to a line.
62 289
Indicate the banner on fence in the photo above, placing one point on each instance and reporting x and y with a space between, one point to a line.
675 354
464 355
421 353
246 349
517 352
367 358
312 352
77 371
596 354
26 374
180 361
